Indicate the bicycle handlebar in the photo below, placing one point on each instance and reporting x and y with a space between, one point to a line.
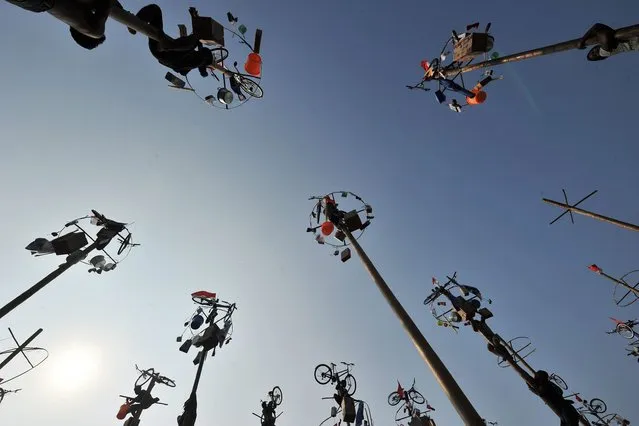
348 364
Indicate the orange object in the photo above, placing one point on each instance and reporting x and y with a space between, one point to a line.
327 228
124 410
480 97
253 64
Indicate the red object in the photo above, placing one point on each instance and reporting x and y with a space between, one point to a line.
425 65
400 390
124 410
595 268
329 200
435 282
480 97
204 294
253 64
327 228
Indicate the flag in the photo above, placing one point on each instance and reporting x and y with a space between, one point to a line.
472 26
466 289
400 390
595 268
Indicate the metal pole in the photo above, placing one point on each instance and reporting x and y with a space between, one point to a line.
20 348
603 218
452 390
621 33
137 415
125 17
621 283
488 334
46 280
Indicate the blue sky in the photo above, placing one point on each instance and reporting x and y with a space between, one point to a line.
219 201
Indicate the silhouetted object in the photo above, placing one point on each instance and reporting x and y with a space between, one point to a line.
86 19
349 222
143 398
623 35
574 209
232 19
185 54
609 44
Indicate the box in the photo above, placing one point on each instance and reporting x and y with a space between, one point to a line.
348 409
472 45
208 30
352 221
69 243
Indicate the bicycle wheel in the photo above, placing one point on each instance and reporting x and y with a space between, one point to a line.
145 377
394 399
598 406
351 384
165 381
323 374
416 397
559 381
219 54
277 395
2 393
250 87
625 331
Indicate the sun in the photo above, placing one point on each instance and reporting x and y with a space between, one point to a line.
73 368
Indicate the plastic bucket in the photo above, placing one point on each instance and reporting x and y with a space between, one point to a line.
253 64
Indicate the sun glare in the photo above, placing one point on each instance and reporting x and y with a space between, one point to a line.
73 368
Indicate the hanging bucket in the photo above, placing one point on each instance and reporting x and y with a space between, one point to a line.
124 410
480 98
327 228
253 64
225 96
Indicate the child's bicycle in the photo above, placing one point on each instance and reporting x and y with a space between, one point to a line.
325 375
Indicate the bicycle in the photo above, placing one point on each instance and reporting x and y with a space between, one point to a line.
268 407
624 328
411 395
150 374
143 399
250 86
593 408
325 375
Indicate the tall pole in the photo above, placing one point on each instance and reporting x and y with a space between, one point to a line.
467 312
72 259
621 34
138 413
603 218
622 283
452 390
125 17
20 348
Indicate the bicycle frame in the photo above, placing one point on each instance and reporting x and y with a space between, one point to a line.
336 375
